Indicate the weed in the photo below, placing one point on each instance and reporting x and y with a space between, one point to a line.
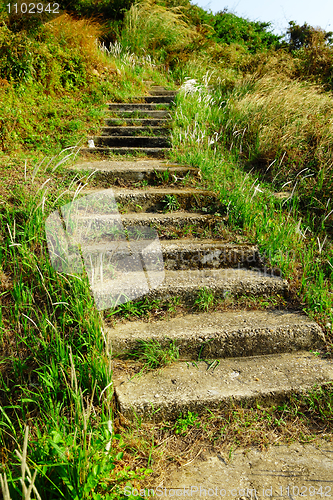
171 203
205 299
136 309
154 355
163 176
183 422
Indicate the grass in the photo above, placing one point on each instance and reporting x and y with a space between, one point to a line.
171 203
205 299
302 255
55 367
248 136
153 355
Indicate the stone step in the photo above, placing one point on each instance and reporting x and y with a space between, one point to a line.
153 171
132 141
196 387
141 113
154 199
160 91
167 200
133 130
222 334
136 106
178 255
186 285
208 254
139 152
156 98
138 122
170 224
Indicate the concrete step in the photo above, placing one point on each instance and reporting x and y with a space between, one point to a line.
208 254
153 171
186 285
166 224
160 91
141 113
139 152
222 334
168 200
180 255
136 106
196 387
155 199
132 141
176 224
133 130
156 98
138 122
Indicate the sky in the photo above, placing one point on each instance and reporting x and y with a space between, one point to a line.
279 12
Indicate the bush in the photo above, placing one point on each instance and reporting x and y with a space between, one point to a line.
315 60
230 28
61 55
287 121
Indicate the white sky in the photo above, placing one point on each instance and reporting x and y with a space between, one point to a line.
279 12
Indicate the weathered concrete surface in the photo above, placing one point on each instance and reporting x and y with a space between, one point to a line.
139 141
185 386
223 334
142 122
132 130
158 199
111 171
158 98
186 284
142 152
208 254
254 474
164 221
141 113
133 106
186 254
157 91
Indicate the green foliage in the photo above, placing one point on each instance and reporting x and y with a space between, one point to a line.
184 422
314 60
205 299
61 55
171 203
230 28
300 36
154 355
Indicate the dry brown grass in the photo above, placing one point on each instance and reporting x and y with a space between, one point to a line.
288 120
81 35
76 33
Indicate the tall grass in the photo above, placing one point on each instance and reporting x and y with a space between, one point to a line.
56 374
302 253
283 128
157 30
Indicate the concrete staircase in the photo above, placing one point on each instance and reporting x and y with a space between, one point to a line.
235 355
138 128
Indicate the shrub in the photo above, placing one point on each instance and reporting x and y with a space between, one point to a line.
255 36
315 60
